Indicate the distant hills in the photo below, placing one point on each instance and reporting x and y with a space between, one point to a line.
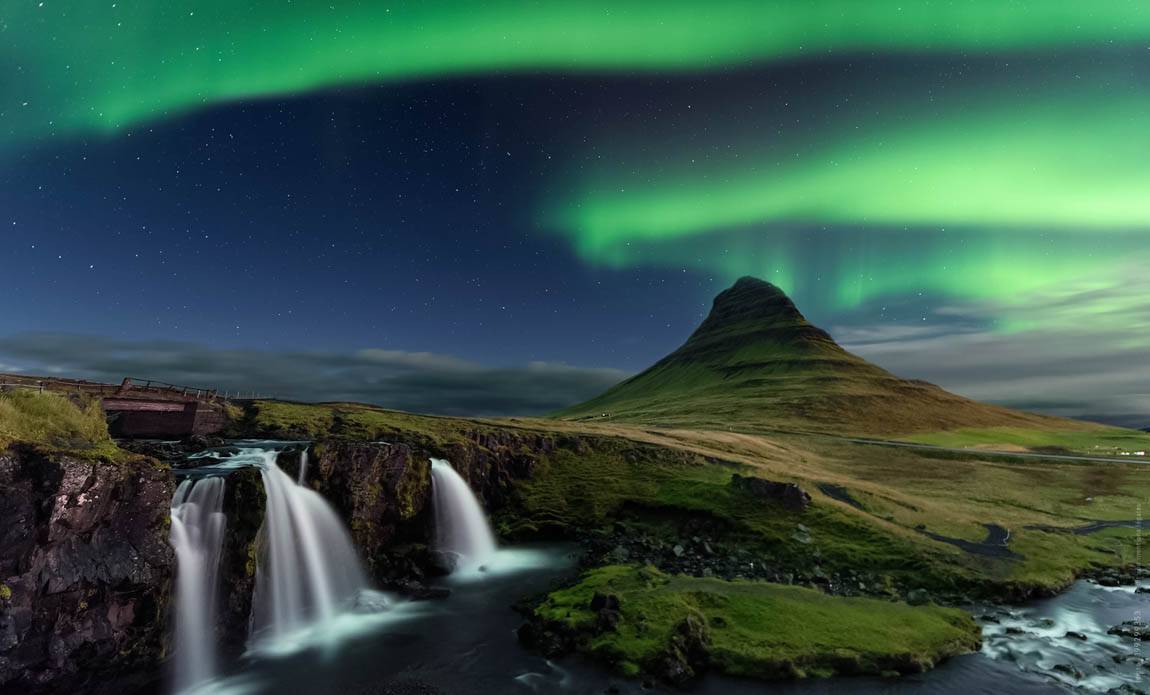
756 364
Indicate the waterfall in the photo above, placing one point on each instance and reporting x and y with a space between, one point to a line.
461 527
197 535
307 570
302 480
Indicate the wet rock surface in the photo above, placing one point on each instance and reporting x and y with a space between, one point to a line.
382 491
1132 629
1118 576
174 451
244 502
85 572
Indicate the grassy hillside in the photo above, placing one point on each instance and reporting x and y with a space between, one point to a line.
756 364
53 422
1099 441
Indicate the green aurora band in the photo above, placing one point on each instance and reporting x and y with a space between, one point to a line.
998 199
73 67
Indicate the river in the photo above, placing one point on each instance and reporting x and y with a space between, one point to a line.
466 644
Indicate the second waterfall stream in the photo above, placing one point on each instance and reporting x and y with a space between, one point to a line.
461 527
308 569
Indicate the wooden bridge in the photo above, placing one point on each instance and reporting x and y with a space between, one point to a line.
140 408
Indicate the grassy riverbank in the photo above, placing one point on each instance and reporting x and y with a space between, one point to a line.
675 625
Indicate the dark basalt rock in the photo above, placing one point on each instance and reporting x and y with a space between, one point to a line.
789 495
400 687
85 571
171 451
244 504
1131 629
1116 577
1069 671
548 639
686 657
381 490
918 597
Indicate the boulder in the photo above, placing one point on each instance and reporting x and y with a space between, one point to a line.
1132 629
789 495
918 597
600 601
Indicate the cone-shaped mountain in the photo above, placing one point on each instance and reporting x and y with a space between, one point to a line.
756 363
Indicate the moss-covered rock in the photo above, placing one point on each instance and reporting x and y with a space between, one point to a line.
674 627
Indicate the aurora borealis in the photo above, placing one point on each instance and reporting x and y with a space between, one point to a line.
517 183
105 66
983 185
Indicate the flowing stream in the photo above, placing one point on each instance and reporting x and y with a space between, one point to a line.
303 461
197 536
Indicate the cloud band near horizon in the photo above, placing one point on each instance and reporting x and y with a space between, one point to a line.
1084 377
414 381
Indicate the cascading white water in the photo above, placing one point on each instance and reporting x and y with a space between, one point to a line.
307 569
303 458
197 535
461 527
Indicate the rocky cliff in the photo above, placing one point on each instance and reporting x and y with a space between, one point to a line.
380 490
383 490
244 504
85 572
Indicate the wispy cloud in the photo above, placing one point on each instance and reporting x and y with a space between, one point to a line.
416 381
1075 351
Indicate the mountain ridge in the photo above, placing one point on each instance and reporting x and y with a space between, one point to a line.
756 363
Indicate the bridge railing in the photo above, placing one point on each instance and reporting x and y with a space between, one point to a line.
154 386
127 386
33 387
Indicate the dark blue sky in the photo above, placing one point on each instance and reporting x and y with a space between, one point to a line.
390 242
395 218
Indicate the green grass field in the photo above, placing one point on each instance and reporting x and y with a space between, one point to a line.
1094 441
756 629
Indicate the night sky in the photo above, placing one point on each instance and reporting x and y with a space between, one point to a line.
504 207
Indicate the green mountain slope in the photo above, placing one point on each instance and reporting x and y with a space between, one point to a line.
757 364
